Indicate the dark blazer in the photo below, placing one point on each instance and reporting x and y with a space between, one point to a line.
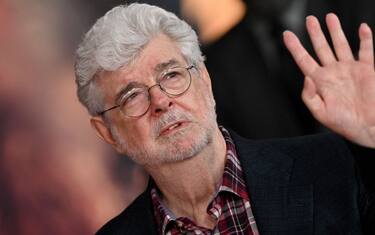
304 185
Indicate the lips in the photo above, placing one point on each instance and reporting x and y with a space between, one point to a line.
172 127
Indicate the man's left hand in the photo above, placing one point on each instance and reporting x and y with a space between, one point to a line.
340 91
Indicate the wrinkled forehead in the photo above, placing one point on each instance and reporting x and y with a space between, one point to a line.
160 54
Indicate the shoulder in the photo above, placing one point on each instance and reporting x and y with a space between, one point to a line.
310 155
137 218
296 147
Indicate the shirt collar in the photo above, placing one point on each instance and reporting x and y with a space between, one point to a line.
233 179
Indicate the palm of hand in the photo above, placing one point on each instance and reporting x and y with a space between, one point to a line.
344 104
340 92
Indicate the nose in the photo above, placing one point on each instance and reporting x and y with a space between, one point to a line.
160 102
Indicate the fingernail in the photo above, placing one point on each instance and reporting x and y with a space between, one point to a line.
364 24
285 32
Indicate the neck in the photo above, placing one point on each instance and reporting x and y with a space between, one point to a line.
188 186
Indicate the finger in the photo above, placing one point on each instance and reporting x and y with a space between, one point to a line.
313 100
303 59
366 50
340 43
319 41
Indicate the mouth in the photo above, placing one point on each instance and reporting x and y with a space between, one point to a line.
173 127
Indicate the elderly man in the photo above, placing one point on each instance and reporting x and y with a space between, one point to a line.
140 74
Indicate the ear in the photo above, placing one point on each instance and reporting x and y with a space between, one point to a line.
102 130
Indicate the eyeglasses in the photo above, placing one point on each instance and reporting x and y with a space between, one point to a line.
173 82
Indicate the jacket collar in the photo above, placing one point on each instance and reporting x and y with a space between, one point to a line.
279 206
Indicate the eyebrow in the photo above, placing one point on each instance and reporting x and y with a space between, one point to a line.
127 89
162 66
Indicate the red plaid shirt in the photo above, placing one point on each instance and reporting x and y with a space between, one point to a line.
230 207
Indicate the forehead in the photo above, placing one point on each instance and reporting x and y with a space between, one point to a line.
160 53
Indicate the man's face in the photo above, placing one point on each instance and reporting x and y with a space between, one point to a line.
174 128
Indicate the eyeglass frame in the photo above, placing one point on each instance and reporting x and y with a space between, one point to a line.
101 113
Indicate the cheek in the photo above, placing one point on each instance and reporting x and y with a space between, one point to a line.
138 132
195 103
202 95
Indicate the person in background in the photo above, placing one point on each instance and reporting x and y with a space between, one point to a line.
250 66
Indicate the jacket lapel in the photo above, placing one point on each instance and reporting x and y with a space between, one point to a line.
279 206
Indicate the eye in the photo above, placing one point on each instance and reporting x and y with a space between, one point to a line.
133 95
172 74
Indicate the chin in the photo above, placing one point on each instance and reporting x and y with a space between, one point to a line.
192 145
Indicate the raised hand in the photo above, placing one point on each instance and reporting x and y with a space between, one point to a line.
340 91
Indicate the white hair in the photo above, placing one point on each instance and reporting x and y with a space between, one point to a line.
117 38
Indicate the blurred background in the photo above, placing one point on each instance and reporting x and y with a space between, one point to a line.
56 176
